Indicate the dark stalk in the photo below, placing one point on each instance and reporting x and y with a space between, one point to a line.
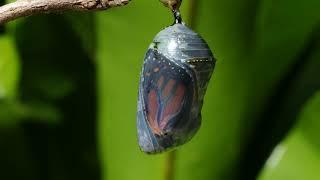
193 12
170 165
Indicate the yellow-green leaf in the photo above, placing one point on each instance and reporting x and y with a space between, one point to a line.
9 67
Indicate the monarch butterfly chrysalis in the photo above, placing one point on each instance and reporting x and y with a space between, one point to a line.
177 68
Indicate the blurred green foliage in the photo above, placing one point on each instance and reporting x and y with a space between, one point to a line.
68 92
9 68
55 104
298 156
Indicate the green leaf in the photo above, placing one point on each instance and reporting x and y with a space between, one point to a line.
298 156
9 68
9 76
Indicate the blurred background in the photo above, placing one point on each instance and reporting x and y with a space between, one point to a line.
68 93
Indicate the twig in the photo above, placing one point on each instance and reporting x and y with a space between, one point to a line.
169 165
23 8
193 12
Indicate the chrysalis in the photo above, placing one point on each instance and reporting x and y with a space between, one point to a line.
175 74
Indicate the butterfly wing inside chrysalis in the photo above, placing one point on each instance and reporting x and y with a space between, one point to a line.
166 98
176 71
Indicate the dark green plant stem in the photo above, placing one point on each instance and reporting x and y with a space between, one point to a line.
282 110
193 11
170 164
